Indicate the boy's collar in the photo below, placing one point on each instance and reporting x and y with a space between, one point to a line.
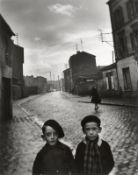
99 143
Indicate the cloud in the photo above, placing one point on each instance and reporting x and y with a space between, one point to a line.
48 30
62 9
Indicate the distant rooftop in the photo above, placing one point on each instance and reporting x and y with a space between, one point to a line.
111 66
83 52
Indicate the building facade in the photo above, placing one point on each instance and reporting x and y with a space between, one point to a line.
83 72
35 85
107 83
5 70
124 20
110 78
17 71
67 80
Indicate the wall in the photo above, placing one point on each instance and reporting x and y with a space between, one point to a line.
133 66
82 64
125 42
82 67
17 71
0 92
113 77
39 83
5 70
67 80
17 62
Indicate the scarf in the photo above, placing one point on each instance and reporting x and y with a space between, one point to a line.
92 161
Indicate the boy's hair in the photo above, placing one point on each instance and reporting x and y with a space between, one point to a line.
55 125
90 118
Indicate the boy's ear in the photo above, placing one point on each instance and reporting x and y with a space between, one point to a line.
43 137
83 130
100 129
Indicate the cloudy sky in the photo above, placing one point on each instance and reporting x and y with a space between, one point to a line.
51 30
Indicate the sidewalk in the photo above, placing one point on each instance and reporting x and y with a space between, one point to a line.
20 140
128 102
124 101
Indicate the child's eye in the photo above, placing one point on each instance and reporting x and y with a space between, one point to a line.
48 134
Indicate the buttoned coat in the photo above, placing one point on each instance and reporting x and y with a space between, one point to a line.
53 160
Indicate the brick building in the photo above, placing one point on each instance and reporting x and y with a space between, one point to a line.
83 72
124 20
5 70
35 85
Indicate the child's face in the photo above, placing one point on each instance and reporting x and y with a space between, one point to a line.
91 130
50 135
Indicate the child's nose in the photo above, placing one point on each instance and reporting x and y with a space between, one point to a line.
52 135
91 131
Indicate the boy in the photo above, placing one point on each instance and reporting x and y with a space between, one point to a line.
55 157
93 155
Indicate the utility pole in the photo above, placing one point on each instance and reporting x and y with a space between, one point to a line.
107 42
81 44
59 83
50 80
76 47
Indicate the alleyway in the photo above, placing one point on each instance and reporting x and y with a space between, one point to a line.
20 138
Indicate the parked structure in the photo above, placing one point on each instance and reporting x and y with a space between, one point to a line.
5 70
124 19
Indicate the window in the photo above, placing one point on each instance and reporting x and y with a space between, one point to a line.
118 18
130 10
109 81
132 41
127 79
122 45
136 6
136 38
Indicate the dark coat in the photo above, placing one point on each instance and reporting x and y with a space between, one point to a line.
95 98
107 161
54 160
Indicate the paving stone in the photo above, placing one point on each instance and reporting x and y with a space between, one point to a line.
20 139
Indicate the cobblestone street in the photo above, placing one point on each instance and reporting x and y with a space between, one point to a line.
21 137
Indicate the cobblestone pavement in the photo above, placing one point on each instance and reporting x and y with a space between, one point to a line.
20 138
19 142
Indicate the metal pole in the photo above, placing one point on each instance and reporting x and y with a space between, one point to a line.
59 82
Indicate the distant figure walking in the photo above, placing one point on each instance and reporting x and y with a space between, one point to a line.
95 98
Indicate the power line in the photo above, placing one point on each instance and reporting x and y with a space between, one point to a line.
102 38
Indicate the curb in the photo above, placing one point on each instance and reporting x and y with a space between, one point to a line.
34 117
122 105
39 123
112 104
106 103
